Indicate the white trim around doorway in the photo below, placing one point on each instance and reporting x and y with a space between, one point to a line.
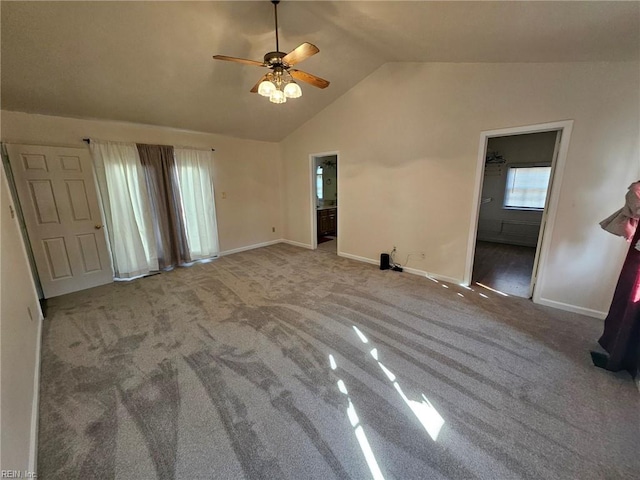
564 127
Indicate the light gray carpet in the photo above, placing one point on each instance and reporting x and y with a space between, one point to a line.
223 371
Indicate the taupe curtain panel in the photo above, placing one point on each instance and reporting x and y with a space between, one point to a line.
159 168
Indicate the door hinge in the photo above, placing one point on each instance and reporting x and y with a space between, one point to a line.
13 213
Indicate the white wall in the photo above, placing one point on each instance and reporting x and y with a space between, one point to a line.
19 343
247 173
408 139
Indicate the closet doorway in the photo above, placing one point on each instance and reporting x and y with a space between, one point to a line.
518 183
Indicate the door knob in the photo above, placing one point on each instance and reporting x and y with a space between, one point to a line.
98 227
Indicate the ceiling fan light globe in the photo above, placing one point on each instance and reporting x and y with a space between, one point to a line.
277 97
266 88
293 90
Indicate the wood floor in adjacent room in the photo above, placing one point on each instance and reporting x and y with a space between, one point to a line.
507 268
330 246
287 363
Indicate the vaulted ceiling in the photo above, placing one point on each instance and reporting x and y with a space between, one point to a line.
151 62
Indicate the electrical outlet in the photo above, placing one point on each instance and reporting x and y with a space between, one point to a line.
273 229
224 194
422 256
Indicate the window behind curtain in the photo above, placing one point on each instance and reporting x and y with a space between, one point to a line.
180 179
125 201
195 174
159 167
526 187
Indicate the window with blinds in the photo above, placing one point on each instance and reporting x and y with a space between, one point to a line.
526 187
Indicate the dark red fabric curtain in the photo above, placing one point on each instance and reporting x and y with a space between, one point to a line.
621 337
161 178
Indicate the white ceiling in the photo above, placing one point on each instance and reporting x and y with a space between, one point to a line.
150 62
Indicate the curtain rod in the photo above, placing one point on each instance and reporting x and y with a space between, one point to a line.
88 140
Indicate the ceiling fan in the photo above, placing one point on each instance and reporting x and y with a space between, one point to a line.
279 83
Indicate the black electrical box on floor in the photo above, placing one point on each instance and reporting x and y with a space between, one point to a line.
384 261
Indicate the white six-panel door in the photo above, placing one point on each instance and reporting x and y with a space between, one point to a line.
58 196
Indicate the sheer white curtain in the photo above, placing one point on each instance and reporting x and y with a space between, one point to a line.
195 178
125 202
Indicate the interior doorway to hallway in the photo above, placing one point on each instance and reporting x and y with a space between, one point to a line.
324 201
515 182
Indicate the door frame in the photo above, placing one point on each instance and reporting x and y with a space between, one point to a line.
313 210
564 129
20 217
29 237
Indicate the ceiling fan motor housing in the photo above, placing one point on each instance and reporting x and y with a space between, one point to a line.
275 58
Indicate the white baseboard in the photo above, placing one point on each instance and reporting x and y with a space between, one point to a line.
265 244
571 308
296 244
509 240
33 441
413 271
250 247
359 259
442 278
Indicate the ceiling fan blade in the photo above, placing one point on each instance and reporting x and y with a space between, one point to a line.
300 53
255 87
308 78
239 60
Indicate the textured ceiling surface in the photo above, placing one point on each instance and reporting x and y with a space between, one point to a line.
150 62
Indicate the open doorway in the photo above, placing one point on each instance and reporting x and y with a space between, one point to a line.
324 188
518 174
